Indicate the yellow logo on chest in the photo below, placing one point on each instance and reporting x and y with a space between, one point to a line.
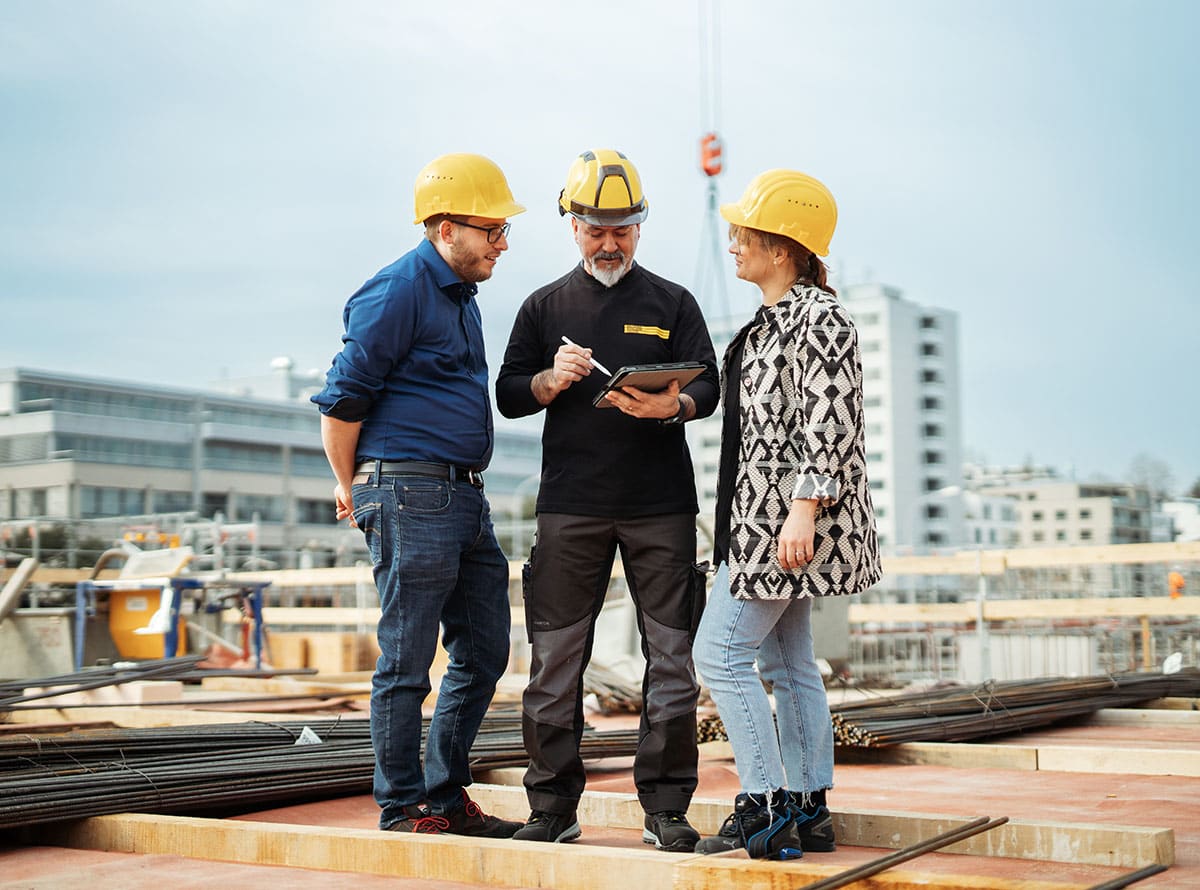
661 333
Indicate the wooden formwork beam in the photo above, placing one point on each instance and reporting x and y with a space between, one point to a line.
482 861
1051 758
1082 843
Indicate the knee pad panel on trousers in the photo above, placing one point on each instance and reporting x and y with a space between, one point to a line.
554 673
672 689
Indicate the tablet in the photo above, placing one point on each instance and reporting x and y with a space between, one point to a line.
649 378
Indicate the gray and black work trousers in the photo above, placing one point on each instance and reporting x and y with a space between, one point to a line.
565 584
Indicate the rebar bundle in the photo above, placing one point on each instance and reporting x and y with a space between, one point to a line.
195 770
962 714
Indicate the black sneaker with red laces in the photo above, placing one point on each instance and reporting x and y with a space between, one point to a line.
468 819
418 820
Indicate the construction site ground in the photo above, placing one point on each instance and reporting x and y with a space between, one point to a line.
1087 802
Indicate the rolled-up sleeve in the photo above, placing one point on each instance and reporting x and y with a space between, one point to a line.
379 323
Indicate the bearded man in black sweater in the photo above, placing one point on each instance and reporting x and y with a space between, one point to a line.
614 477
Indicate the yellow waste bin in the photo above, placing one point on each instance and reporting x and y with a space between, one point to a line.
130 611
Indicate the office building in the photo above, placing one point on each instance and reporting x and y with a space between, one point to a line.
100 455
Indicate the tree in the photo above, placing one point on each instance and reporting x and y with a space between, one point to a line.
1153 474
1194 491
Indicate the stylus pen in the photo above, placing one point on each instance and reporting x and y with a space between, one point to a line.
595 364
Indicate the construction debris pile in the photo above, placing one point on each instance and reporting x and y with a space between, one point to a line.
222 768
992 709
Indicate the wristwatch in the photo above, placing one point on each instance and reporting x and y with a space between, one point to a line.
679 417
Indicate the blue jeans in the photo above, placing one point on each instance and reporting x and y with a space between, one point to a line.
437 563
733 635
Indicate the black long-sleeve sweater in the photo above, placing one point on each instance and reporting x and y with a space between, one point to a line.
600 461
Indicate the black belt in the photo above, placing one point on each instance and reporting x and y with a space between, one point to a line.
421 468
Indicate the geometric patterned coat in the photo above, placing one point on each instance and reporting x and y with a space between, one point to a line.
800 407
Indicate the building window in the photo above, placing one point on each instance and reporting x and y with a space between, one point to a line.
872 402
870 346
867 318
312 512
931 376
991 536
930 349
932 430
933 457
935 539
929 322
1060 515
243 456
171 501
268 508
1085 534
1085 514
215 502
1060 535
933 484
987 511
935 511
978 536
1038 536
95 501
874 457
876 485
931 403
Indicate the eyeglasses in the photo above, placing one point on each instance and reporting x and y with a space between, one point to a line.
494 233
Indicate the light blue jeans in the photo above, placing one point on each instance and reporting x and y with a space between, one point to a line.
777 634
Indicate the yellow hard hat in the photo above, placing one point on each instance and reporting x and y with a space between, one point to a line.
603 189
788 203
464 185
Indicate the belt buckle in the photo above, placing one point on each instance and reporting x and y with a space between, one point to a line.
475 478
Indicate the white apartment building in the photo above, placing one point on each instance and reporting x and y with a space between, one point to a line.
1058 513
912 413
1184 514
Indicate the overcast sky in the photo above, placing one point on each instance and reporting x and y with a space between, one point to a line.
189 189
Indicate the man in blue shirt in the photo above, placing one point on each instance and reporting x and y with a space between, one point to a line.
407 427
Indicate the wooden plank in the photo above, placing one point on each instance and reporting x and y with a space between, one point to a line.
138 717
480 861
1130 761
1010 610
973 756
283 686
1084 843
1058 758
1144 717
720 873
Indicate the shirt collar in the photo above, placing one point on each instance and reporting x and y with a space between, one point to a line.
443 276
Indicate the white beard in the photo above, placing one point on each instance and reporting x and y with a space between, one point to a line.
609 277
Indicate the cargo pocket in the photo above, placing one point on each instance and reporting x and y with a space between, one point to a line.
526 578
698 588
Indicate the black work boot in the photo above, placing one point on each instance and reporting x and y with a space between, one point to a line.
814 824
553 828
764 825
670 831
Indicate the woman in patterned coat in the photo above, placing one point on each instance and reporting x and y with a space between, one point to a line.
794 517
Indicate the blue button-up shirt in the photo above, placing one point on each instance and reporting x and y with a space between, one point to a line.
412 368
